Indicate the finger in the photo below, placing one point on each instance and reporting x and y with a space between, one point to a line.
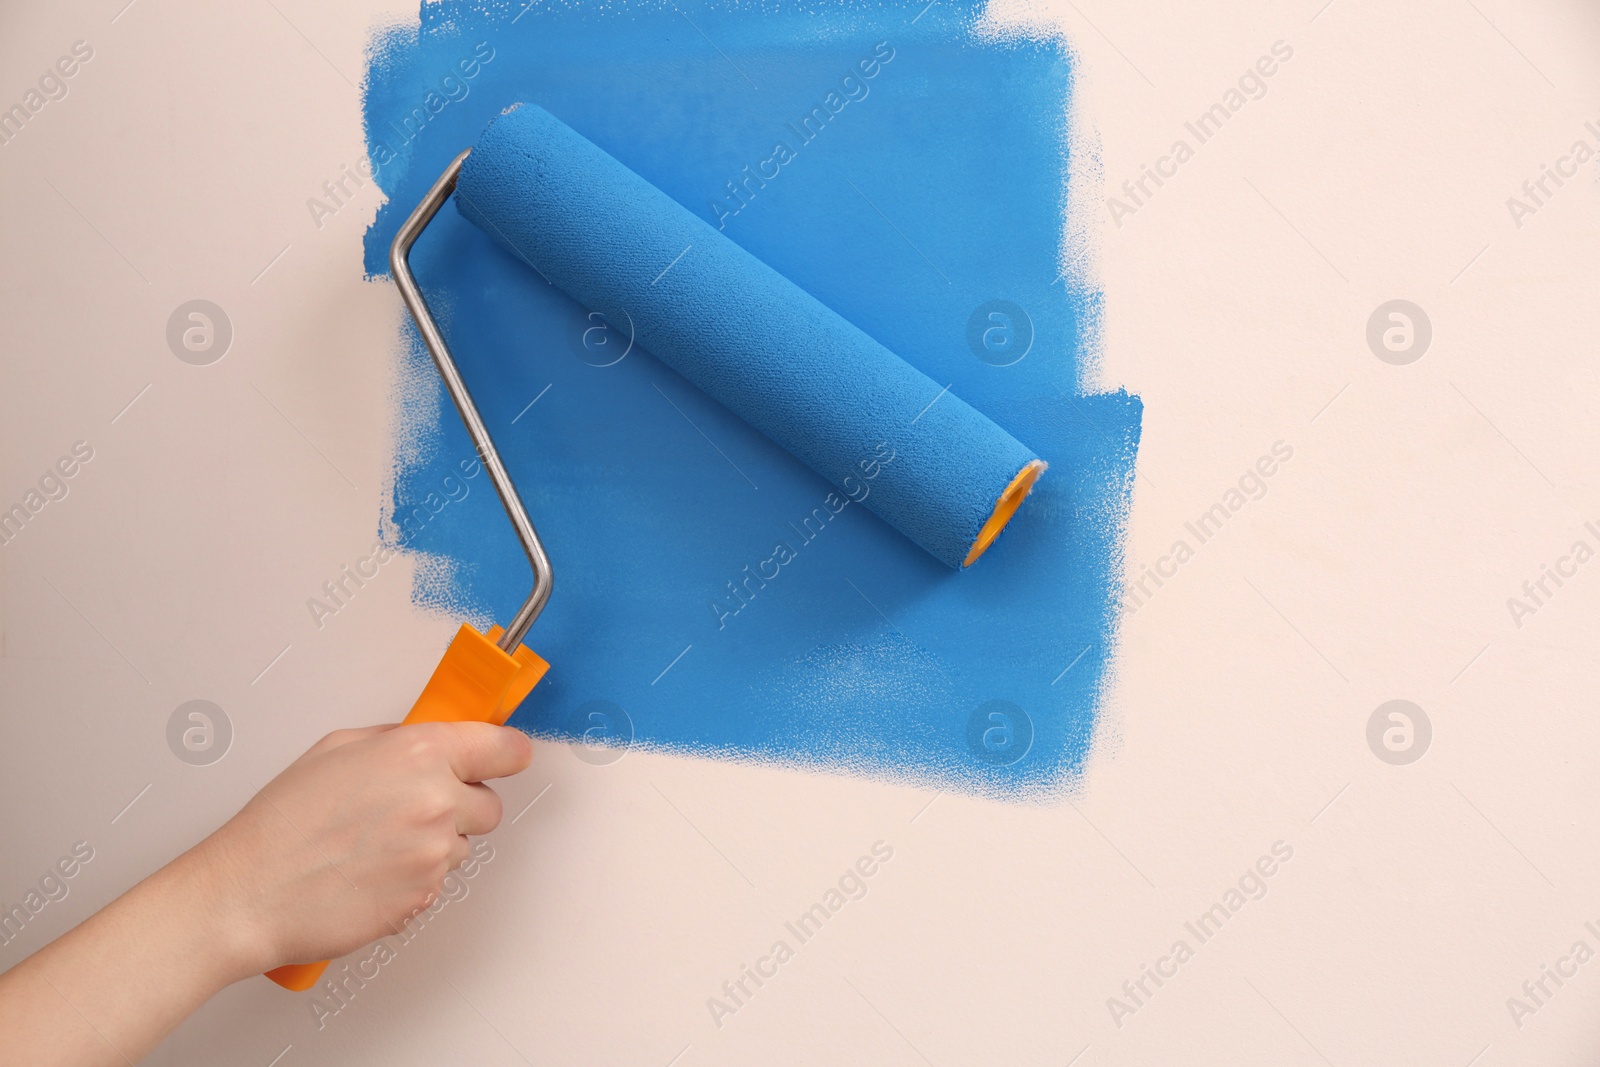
339 738
480 810
479 751
460 849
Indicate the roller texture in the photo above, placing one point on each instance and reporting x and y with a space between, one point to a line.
757 343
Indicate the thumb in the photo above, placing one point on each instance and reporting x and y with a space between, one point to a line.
479 751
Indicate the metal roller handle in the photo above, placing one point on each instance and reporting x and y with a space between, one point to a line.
400 267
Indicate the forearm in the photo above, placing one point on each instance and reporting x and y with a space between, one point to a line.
112 988
384 808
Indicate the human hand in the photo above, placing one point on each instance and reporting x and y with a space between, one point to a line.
354 837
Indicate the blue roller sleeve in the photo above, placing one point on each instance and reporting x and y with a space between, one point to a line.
754 341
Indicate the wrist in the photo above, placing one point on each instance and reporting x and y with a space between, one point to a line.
205 899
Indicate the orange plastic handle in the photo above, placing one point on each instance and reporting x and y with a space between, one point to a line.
475 682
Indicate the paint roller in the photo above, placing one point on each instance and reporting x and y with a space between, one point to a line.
751 339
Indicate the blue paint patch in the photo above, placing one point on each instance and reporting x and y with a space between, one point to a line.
705 594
